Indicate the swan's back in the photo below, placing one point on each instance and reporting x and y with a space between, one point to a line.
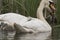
13 18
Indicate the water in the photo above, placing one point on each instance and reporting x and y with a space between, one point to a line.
55 35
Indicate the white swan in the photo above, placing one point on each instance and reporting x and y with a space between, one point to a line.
34 25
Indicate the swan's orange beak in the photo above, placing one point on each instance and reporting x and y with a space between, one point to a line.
52 6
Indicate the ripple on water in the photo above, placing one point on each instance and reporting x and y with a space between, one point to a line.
23 36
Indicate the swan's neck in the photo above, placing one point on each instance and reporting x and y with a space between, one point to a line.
40 12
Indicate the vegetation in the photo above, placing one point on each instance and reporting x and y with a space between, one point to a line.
24 7
58 11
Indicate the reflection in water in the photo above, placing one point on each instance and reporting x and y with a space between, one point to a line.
24 36
36 36
4 35
55 35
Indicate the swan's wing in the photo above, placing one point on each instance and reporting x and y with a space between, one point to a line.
30 26
20 28
37 25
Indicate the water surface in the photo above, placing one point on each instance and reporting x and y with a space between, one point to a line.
55 35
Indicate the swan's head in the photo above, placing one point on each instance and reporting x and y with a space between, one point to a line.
49 4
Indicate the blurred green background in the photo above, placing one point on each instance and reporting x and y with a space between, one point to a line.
25 7
58 10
